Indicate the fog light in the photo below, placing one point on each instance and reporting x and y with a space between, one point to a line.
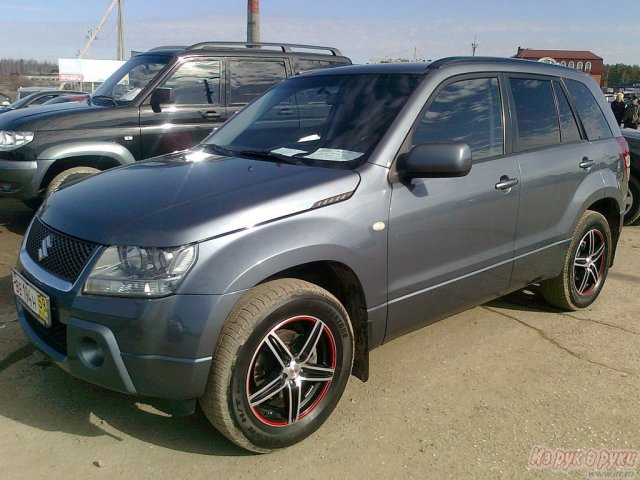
90 353
8 187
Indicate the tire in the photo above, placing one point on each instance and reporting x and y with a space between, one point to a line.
33 203
287 342
68 176
585 266
633 211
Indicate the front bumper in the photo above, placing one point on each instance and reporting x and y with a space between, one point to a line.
153 347
22 179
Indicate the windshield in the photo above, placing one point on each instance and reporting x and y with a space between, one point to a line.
129 80
329 120
23 101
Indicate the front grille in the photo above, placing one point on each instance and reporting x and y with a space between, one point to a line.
55 336
58 254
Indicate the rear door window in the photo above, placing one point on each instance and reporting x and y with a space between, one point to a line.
467 111
250 78
536 117
569 130
593 120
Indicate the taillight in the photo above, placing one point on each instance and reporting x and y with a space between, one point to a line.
626 157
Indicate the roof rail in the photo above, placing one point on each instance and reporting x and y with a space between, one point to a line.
284 47
462 59
168 47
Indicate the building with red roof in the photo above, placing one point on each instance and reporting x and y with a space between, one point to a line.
580 59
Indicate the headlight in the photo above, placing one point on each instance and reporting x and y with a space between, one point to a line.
140 271
13 140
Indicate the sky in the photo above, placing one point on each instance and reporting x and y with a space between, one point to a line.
362 30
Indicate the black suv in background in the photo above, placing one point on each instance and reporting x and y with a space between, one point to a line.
164 100
632 210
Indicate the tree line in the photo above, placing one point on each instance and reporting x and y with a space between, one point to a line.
20 66
620 73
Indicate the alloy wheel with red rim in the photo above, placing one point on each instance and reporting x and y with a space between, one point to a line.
588 263
291 371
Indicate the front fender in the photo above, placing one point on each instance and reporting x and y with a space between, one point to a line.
337 233
83 149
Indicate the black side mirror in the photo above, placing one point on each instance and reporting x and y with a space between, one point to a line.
437 159
161 96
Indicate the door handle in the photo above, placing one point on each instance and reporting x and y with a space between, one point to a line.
506 183
285 111
210 114
586 164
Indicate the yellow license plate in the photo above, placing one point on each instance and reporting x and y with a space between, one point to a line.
32 298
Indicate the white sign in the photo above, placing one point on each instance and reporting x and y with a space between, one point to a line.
83 70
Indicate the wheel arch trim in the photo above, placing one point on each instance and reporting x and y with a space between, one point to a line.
82 149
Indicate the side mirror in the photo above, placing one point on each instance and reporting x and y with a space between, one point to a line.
437 159
160 96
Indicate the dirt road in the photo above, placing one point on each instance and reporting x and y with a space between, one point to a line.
468 397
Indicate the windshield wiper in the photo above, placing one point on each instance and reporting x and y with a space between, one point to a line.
268 155
260 154
218 149
104 97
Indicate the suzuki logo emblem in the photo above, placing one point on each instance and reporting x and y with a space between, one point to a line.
43 251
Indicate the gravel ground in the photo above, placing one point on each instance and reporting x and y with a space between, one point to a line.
467 397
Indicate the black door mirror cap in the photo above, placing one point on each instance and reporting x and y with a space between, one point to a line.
161 96
437 159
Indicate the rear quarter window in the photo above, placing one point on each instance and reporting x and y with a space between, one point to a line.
593 120
306 65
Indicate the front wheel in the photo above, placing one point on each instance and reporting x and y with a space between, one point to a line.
585 266
68 176
283 360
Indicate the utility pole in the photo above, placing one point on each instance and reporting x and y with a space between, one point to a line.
93 34
95 31
253 21
474 45
120 30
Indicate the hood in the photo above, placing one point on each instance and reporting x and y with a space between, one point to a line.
169 201
57 116
631 135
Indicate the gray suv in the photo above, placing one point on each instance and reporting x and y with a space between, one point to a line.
340 210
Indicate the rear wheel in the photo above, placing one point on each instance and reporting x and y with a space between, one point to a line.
585 266
281 365
68 176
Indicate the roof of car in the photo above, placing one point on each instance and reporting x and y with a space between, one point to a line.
374 68
423 67
55 90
